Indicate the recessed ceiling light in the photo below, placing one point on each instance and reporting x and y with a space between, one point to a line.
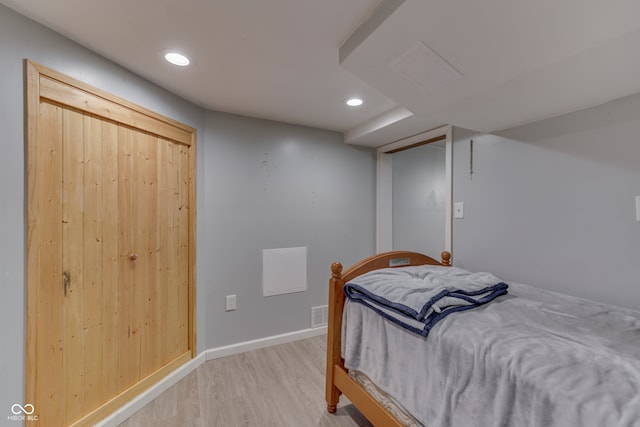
354 102
177 59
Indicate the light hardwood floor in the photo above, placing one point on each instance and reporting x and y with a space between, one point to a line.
277 386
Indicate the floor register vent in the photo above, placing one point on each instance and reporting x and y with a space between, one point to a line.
319 316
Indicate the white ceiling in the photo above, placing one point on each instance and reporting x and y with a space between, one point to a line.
483 65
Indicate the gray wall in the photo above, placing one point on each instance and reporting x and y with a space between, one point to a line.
244 205
419 186
552 203
270 185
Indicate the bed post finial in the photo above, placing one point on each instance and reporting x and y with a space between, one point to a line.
446 258
336 270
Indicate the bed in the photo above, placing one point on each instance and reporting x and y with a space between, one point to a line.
529 357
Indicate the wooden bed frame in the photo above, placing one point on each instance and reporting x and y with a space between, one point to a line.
337 377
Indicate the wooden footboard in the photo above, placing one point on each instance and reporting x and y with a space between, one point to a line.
338 380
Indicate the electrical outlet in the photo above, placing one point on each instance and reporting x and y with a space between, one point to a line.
231 303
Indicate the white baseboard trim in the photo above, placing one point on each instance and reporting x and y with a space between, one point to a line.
243 347
154 391
144 398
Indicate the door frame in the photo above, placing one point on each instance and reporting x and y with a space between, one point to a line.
384 184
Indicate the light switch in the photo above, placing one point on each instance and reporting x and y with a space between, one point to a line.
637 208
230 303
458 210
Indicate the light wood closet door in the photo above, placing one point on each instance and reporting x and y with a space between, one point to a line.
110 249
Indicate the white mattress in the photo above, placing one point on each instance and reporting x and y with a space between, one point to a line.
385 400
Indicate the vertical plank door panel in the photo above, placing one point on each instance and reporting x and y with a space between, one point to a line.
47 387
163 267
73 260
173 311
129 345
110 261
93 329
149 353
183 254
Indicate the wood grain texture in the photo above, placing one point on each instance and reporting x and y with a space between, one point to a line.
45 277
278 386
73 262
173 246
182 332
98 193
164 257
93 315
128 352
99 103
110 261
191 248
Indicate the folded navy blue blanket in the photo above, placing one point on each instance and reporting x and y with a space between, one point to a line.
418 297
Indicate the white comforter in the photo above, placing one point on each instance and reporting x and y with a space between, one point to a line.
531 358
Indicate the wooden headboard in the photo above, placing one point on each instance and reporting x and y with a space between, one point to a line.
385 260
